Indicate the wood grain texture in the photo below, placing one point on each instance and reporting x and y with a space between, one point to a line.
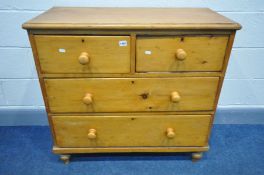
131 94
60 54
133 41
138 32
135 75
159 54
137 113
59 150
130 18
101 97
111 131
42 85
221 80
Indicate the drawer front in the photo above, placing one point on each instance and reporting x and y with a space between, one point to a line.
190 53
83 54
155 130
131 94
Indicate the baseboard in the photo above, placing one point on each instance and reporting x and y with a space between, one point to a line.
21 116
239 115
224 115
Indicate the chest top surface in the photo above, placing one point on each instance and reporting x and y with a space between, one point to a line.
130 18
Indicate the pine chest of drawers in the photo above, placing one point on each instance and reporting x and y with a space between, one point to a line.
131 79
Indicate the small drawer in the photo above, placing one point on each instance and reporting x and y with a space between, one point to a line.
83 54
131 94
118 131
188 53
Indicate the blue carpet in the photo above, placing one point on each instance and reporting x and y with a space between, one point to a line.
235 149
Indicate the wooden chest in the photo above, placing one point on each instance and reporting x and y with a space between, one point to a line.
131 79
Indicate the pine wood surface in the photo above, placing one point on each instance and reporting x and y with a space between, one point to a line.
60 54
111 131
131 94
201 53
59 150
97 92
130 18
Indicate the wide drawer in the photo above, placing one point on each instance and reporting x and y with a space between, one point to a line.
131 94
188 53
83 54
111 131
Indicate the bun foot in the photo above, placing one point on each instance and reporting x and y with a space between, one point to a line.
197 156
65 158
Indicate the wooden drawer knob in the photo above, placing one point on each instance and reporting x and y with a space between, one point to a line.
181 54
87 99
170 133
175 97
84 58
92 134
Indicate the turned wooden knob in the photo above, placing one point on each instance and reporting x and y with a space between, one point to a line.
87 99
92 134
175 97
84 58
197 156
170 133
181 54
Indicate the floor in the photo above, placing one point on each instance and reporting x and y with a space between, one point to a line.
235 149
